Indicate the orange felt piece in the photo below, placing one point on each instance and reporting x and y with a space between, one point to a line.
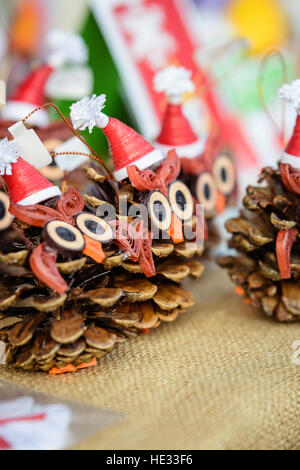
239 290
71 368
93 249
175 231
220 203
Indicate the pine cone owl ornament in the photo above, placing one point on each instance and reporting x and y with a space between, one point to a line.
266 234
149 187
207 168
79 274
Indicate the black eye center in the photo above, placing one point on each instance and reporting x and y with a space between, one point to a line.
207 191
94 227
159 210
2 210
180 200
223 174
66 234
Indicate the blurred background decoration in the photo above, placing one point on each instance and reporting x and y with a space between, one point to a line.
222 41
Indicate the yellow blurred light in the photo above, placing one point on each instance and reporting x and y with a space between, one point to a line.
262 22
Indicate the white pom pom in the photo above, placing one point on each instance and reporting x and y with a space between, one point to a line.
87 113
66 47
174 81
9 154
291 93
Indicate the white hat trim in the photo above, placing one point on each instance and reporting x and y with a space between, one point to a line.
184 151
142 163
291 160
40 196
17 110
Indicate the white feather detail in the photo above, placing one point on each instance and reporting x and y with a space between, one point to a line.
174 81
87 113
291 93
9 154
66 47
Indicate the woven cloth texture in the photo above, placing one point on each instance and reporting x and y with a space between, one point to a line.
220 377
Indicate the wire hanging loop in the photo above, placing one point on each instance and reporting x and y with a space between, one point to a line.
260 90
92 155
223 50
227 46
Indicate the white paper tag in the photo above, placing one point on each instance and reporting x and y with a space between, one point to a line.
70 83
2 93
30 145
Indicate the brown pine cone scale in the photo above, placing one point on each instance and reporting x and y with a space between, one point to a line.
269 209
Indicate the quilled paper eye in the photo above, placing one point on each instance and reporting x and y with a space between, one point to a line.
94 227
5 217
224 174
206 191
63 237
181 200
159 210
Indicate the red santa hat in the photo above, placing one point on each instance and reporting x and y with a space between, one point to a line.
176 130
291 154
25 183
127 147
64 47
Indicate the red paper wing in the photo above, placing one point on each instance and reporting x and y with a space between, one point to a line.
125 238
290 178
284 243
35 215
70 204
193 166
146 257
142 180
169 170
43 263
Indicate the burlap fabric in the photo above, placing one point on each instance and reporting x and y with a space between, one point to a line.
220 377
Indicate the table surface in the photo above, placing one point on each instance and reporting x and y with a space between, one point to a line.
220 377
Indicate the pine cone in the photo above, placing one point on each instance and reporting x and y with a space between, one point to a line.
270 210
44 330
106 302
